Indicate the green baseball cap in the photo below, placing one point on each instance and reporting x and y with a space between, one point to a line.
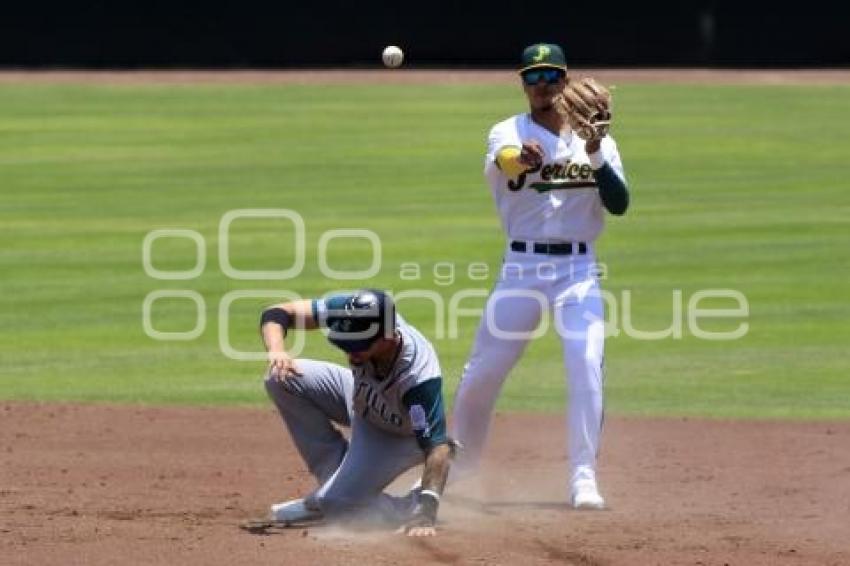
541 55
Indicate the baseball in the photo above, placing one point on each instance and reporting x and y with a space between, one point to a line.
392 56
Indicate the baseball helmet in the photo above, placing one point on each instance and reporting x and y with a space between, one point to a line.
367 316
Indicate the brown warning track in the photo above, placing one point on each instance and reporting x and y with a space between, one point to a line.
424 76
97 484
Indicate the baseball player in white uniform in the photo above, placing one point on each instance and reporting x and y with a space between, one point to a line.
391 397
552 191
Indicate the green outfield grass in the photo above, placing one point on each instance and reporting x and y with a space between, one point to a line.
733 187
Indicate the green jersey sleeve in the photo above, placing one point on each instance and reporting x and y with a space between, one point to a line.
424 402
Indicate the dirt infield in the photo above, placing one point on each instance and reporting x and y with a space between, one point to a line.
425 76
144 485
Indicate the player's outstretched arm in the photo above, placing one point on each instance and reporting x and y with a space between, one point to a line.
425 403
434 476
275 322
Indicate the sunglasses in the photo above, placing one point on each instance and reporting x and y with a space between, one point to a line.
551 76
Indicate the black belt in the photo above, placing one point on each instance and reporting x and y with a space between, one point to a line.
551 249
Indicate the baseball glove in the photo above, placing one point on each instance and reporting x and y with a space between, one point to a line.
586 104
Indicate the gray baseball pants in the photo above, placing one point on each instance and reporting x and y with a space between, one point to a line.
351 474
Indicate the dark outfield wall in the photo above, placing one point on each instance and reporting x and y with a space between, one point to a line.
472 33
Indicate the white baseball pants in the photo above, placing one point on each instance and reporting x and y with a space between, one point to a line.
529 283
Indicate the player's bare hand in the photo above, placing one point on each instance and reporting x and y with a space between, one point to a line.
282 366
531 154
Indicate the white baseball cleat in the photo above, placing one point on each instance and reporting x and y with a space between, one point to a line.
294 511
585 495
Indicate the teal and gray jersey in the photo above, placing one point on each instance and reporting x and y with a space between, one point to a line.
408 400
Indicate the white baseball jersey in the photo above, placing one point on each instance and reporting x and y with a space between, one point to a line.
557 202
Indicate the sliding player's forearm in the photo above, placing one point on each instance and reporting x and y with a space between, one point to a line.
434 477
